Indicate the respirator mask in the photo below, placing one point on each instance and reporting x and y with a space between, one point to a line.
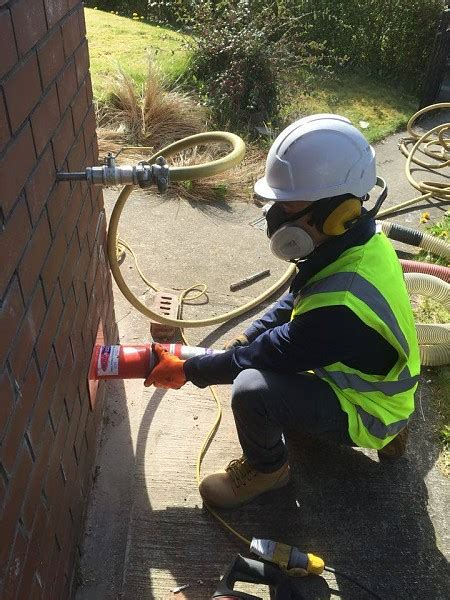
331 216
287 241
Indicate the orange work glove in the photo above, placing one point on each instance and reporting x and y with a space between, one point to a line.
168 372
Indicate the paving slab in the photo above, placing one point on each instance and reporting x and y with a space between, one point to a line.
147 533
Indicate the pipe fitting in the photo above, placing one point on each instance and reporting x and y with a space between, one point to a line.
144 174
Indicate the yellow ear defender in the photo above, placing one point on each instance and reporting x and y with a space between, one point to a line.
337 215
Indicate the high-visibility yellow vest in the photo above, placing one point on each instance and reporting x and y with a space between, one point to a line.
368 279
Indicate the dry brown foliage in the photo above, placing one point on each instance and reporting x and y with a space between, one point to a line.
233 185
154 117
150 116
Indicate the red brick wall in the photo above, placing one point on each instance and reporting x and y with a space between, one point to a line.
55 292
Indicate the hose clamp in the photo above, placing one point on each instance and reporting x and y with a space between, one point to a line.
161 174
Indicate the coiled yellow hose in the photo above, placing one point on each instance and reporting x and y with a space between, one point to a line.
423 143
179 174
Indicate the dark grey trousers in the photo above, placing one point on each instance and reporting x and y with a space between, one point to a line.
266 405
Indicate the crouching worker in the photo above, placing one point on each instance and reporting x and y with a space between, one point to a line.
335 357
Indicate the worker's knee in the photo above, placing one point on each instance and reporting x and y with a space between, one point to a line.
249 390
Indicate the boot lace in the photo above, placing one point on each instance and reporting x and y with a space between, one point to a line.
240 471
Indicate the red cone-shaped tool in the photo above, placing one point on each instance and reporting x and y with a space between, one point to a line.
135 361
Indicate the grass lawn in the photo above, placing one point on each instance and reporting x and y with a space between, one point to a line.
376 108
120 43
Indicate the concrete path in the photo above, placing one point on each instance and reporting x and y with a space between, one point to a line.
147 534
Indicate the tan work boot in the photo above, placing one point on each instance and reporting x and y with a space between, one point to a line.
240 483
396 448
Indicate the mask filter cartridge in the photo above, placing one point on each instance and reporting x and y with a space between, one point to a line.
291 243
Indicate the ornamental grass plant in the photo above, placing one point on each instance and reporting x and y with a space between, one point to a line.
152 116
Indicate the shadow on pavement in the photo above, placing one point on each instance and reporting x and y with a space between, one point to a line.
365 518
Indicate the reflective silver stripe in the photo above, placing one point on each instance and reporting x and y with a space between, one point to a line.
357 383
365 291
377 428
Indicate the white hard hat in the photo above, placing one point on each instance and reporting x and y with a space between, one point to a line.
317 157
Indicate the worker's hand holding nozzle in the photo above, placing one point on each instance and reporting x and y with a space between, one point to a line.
240 340
168 372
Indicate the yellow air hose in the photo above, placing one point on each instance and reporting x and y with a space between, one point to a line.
180 174
435 136
423 143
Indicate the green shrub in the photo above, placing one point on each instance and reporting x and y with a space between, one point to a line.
241 49
386 38
232 64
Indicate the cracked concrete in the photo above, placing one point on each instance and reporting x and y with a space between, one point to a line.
146 531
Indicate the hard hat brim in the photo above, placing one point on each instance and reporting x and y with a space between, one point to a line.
264 191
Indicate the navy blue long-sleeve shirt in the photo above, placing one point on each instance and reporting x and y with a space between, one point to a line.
314 339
